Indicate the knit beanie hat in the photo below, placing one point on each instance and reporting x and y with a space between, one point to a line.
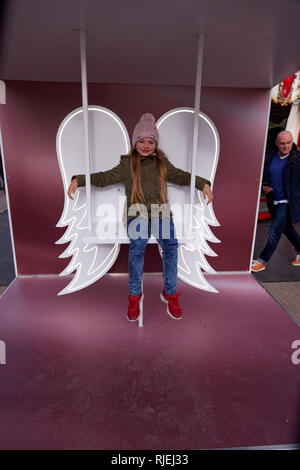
145 128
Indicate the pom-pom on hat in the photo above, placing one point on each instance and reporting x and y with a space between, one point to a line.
145 128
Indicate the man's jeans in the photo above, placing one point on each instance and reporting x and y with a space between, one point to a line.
139 231
281 223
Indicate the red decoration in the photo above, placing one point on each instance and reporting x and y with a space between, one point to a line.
287 85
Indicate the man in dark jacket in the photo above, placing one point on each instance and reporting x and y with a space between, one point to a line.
281 184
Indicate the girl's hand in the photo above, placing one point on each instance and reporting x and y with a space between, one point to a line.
207 193
267 189
72 188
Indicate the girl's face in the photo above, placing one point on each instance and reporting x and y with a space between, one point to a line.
146 146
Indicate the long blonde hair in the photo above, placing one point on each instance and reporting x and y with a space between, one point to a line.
137 195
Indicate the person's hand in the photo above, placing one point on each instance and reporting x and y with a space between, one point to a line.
72 188
267 189
207 193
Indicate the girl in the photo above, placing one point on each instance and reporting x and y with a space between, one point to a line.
144 173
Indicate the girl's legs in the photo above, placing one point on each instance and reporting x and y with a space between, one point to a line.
169 246
138 230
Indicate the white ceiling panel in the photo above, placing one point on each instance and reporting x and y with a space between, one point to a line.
247 43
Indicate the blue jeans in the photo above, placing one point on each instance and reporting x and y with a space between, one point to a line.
281 223
139 231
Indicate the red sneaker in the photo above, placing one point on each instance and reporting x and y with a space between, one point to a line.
173 307
134 309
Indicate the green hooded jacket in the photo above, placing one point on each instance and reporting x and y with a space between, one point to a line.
149 180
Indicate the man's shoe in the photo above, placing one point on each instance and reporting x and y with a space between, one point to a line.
257 266
134 307
173 307
296 261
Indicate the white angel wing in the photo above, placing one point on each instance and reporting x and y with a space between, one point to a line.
176 137
108 140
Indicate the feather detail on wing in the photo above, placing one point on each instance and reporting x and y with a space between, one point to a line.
90 261
176 130
192 255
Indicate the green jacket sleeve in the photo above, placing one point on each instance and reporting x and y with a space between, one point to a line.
183 178
103 178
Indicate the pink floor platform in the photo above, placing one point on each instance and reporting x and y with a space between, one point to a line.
78 375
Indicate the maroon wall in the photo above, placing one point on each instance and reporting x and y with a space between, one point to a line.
29 122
